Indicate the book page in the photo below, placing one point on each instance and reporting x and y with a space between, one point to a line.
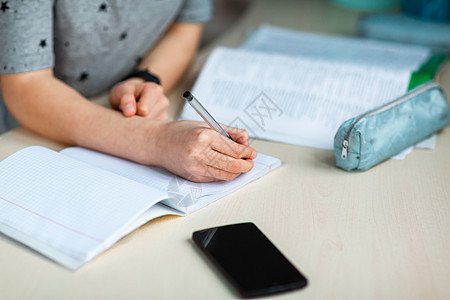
360 51
183 195
290 99
67 259
66 208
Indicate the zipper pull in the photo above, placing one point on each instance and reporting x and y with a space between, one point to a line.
344 149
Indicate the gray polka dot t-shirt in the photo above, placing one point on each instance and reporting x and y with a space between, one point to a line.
90 44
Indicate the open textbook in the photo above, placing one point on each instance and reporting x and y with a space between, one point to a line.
297 87
74 204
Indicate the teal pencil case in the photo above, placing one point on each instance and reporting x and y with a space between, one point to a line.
368 139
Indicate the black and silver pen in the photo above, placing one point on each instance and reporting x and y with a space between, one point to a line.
204 114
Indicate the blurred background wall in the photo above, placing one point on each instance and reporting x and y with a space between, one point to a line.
226 13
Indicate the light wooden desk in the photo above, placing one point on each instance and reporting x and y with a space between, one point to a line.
382 234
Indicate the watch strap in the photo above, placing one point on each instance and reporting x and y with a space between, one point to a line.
144 74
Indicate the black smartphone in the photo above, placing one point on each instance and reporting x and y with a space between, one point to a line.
249 260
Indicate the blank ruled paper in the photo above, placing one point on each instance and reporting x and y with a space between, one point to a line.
66 204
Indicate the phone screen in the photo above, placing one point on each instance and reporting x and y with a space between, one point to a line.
253 265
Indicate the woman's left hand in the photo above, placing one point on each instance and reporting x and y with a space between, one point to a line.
135 96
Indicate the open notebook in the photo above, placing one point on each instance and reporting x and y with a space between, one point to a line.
298 87
74 204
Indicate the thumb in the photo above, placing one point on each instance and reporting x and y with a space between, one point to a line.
128 104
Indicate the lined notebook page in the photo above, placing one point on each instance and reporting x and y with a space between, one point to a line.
212 191
184 195
151 176
67 205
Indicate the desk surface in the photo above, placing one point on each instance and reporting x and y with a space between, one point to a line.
382 234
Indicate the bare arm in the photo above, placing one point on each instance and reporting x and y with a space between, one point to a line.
169 59
48 106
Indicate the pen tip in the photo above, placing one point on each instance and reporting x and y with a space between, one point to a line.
187 95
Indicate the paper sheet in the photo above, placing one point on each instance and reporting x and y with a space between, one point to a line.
66 204
368 52
290 99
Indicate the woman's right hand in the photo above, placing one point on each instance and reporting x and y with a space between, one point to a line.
198 153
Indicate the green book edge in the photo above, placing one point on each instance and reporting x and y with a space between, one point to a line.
427 71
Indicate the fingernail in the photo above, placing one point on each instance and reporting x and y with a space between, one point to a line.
254 153
128 109
143 111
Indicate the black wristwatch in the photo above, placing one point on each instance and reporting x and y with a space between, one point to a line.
144 74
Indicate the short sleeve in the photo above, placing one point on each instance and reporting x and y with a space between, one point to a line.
26 35
195 11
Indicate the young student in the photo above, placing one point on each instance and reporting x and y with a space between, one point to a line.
55 54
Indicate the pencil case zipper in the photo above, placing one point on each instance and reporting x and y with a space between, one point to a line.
382 108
